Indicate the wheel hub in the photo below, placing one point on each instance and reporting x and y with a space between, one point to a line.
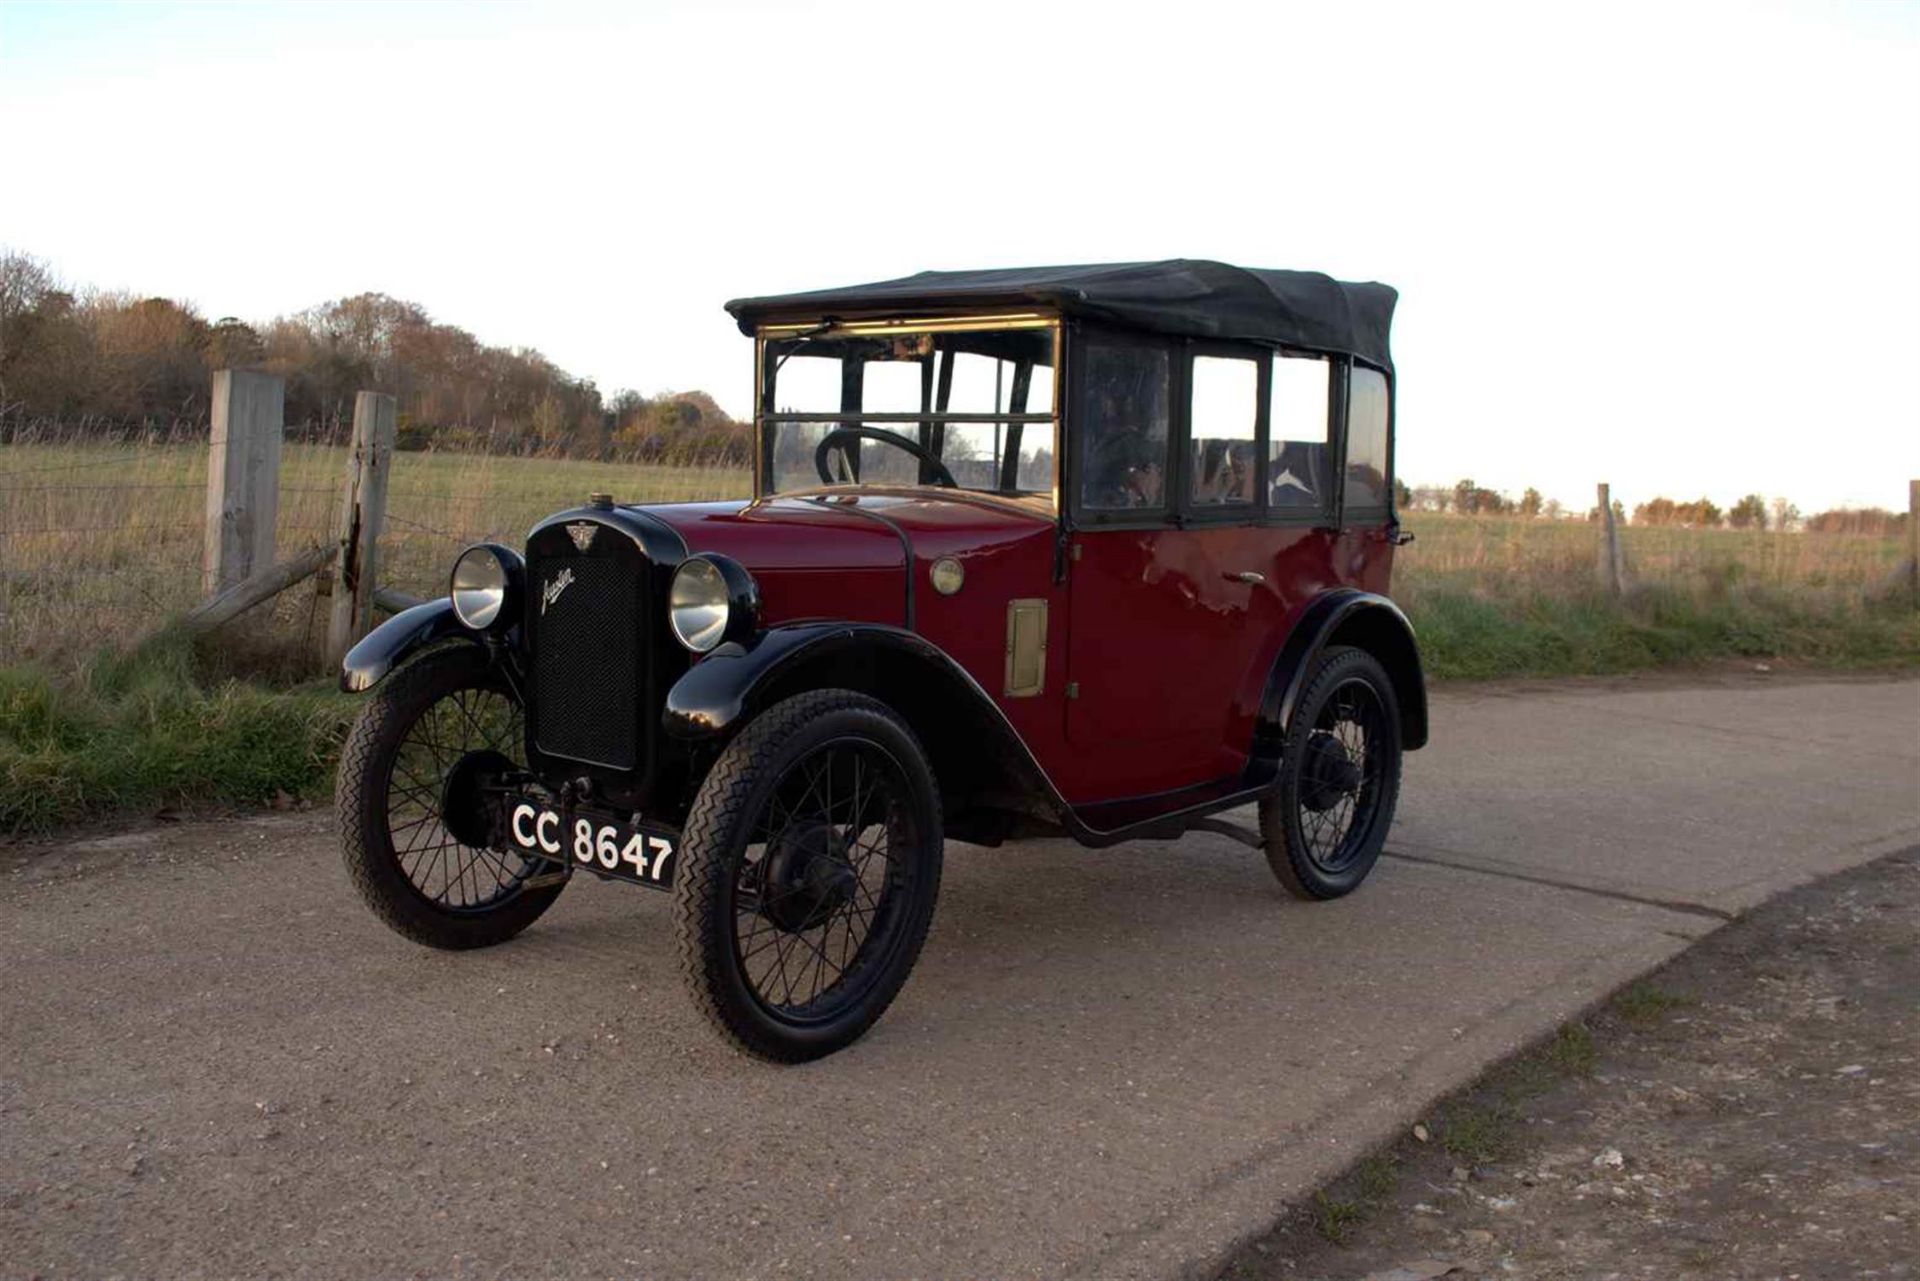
1327 774
464 808
808 876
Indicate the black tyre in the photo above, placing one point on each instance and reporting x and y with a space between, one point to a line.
430 741
809 867
1325 821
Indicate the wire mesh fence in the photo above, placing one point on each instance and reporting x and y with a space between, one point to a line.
103 531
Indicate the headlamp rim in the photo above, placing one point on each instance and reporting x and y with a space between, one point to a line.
742 600
513 578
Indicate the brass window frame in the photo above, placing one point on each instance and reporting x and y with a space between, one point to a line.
869 326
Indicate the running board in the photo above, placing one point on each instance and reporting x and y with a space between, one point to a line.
1221 827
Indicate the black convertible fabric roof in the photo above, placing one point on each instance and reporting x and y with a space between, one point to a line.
1188 296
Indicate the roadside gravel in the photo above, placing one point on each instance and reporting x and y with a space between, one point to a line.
1750 1110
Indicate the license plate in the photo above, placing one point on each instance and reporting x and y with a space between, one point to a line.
638 852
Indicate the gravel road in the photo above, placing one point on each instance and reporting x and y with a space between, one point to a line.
213 1061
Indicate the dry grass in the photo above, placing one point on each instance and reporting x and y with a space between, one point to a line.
99 542
1508 554
1508 596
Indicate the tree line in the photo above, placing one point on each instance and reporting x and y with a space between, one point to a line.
1752 511
115 360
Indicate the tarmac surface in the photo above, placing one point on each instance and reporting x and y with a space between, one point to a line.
214 1061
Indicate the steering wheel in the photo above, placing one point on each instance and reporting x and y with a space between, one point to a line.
840 435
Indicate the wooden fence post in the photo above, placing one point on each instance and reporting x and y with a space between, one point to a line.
1913 539
243 476
363 507
1613 564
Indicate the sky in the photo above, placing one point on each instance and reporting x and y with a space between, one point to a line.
1675 247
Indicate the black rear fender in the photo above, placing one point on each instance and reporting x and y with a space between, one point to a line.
1363 621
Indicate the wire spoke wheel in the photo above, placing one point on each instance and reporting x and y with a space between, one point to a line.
435 794
816 894
417 790
810 863
1326 821
1344 784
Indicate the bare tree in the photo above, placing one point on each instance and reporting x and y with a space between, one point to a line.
24 284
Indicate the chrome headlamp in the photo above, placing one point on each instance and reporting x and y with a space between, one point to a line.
486 586
713 599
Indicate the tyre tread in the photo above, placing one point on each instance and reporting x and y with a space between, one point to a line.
375 874
718 808
1290 865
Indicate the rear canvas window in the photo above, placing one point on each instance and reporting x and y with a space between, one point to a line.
1299 471
1366 485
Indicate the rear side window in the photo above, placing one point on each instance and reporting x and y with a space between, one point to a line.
1225 418
1366 485
1299 466
1127 403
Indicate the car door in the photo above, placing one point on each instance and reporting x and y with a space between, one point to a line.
1170 583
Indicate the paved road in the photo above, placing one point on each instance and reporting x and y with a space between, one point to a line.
1111 1064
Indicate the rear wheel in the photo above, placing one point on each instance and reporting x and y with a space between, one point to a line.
412 797
809 866
1326 820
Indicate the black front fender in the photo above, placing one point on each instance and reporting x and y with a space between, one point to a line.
974 749
383 648
718 692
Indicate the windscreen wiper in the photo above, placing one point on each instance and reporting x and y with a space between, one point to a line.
803 337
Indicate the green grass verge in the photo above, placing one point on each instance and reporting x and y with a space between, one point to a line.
1474 635
168 725
151 729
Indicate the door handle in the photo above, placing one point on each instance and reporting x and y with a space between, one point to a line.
1245 576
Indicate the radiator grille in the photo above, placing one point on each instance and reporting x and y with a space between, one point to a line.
586 660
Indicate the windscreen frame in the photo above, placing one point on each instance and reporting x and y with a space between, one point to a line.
770 338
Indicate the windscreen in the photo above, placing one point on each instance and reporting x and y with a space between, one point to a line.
971 409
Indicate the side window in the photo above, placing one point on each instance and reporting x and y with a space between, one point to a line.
1225 422
1366 485
1299 467
1125 411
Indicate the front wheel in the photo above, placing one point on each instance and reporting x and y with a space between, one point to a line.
1326 819
434 740
809 866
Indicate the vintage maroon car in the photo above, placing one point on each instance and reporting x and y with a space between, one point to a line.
1091 551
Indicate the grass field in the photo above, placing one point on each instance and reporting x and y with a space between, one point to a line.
101 544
